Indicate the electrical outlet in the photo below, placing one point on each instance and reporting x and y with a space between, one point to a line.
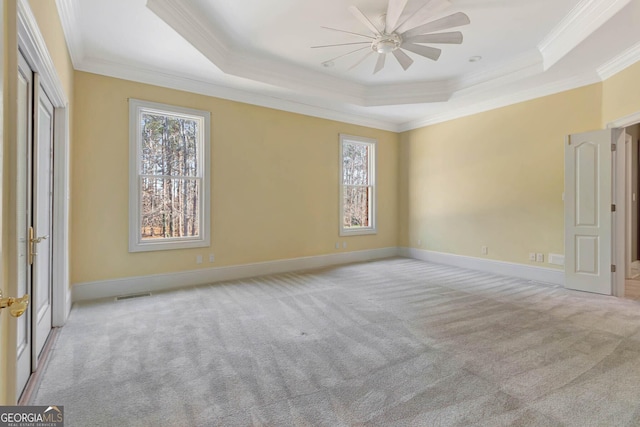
212 258
337 245
199 259
532 256
539 257
419 242
484 250
344 245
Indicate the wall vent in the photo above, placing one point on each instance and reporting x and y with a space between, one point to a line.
125 297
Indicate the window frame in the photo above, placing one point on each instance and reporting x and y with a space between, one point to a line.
136 244
372 143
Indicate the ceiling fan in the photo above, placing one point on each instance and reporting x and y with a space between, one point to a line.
396 33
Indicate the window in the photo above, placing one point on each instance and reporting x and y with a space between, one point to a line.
357 185
168 177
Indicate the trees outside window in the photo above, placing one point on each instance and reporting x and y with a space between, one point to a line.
357 185
169 177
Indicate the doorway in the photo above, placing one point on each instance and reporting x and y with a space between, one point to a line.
632 223
34 219
24 33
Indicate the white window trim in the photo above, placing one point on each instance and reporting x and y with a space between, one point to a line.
372 229
136 244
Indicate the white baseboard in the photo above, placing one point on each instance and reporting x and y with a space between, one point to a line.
529 272
159 282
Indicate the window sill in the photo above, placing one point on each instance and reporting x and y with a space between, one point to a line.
358 232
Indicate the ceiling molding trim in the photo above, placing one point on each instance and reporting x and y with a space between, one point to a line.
191 27
153 77
584 19
625 121
409 93
523 66
620 62
295 78
502 101
69 12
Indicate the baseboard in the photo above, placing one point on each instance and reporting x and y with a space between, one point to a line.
529 272
159 282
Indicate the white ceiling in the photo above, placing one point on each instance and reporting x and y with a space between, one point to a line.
259 51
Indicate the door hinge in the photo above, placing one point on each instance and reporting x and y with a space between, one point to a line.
613 147
613 268
613 208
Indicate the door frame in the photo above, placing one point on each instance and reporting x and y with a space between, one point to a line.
619 229
24 35
33 47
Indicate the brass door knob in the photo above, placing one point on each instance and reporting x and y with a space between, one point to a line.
17 306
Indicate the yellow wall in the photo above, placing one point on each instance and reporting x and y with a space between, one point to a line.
46 14
493 179
621 94
274 183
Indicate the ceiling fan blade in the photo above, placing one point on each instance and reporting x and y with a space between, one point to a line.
360 61
339 44
380 63
454 37
394 10
349 32
403 59
455 20
345 54
362 18
425 12
426 51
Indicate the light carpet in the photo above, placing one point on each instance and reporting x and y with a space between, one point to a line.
395 342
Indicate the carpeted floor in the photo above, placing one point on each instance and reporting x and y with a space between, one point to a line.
396 342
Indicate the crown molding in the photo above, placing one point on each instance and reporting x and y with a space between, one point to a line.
584 19
471 107
171 81
620 62
190 26
625 121
523 66
409 93
69 11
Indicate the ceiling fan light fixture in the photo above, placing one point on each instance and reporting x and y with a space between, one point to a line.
386 43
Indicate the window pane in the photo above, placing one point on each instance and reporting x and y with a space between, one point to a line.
355 163
170 208
169 145
357 206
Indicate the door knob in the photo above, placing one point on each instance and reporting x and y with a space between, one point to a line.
17 306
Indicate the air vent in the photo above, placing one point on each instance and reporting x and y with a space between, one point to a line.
125 297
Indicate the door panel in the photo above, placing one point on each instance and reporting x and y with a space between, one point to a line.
588 217
23 198
42 209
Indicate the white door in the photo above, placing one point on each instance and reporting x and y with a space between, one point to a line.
23 220
588 210
41 220
33 198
